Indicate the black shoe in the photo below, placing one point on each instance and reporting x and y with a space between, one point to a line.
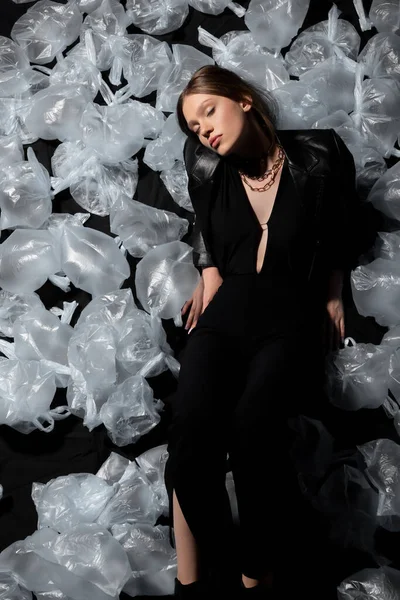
190 591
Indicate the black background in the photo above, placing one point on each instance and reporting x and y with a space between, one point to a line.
314 567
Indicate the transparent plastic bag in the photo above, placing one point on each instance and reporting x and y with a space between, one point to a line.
27 389
14 64
381 56
185 61
69 500
153 462
318 42
371 584
165 278
55 112
13 306
167 148
10 590
274 24
25 194
142 227
238 52
385 193
157 17
151 557
27 259
11 151
216 7
357 376
376 291
385 15
299 105
46 29
130 411
176 181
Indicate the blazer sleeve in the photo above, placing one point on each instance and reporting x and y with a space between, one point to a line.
345 217
201 254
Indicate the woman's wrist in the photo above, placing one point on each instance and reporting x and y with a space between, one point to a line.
335 284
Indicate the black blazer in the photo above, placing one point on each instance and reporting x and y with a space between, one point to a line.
323 171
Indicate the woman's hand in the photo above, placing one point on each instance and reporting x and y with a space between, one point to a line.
209 283
334 327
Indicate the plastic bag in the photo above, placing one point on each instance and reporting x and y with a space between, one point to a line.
385 15
25 194
143 227
46 29
381 56
385 193
157 17
13 306
167 148
130 411
11 151
299 105
357 376
318 42
165 278
274 24
371 584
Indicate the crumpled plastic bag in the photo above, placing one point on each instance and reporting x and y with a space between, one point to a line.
69 500
376 290
85 562
385 193
152 559
185 61
13 306
385 16
55 112
10 589
46 29
176 181
382 460
157 17
25 194
161 153
357 375
142 227
299 105
238 52
371 584
274 24
318 42
165 279
27 389
381 56
131 411
11 151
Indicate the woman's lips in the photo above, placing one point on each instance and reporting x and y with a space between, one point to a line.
216 141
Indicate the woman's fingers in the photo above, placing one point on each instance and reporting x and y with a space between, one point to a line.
193 316
186 306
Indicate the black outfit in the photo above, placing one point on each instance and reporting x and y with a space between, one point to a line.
241 373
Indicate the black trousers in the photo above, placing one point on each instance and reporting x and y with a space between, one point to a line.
234 397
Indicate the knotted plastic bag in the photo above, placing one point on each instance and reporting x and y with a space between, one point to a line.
274 24
27 390
157 17
142 227
167 148
376 290
357 376
238 52
25 194
130 411
385 15
176 181
216 7
27 259
165 278
55 112
13 306
46 29
11 151
185 61
90 259
318 42
14 65
381 56
299 105
153 462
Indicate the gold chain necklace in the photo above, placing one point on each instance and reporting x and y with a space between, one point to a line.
272 173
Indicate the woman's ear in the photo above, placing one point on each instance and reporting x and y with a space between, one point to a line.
246 104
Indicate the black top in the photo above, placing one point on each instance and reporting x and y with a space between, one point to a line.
236 231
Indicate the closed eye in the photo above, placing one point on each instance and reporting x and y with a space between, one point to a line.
207 115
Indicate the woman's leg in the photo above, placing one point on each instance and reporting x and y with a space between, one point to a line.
259 452
208 388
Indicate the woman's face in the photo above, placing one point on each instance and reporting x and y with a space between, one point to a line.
208 115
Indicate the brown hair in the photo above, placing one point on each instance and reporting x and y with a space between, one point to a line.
216 80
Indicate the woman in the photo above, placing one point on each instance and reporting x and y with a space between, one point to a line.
271 237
